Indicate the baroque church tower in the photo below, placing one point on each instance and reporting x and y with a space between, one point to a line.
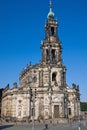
52 51
43 89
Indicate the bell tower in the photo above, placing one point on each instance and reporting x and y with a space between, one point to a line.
51 47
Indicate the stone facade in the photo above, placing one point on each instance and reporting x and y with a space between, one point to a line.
44 83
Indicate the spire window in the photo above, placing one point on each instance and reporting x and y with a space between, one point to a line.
53 55
52 31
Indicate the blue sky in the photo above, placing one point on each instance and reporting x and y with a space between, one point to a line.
22 29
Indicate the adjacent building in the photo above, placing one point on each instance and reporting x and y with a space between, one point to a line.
0 100
43 89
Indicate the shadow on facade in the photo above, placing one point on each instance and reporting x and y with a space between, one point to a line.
5 126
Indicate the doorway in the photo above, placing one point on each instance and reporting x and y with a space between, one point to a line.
56 111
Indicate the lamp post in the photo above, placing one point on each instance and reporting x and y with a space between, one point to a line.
33 123
32 101
74 106
50 102
65 102
32 106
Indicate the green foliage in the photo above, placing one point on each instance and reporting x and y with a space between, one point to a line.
83 106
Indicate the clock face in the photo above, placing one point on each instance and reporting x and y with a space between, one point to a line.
52 38
34 78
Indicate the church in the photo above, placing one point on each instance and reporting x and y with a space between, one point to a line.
43 92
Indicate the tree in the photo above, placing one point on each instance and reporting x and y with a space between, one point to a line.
83 106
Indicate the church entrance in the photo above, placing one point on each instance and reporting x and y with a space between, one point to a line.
56 111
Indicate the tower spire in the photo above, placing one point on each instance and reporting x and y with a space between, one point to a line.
50 6
51 13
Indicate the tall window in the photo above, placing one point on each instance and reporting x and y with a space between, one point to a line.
52 31
69 111
47 54
52 54
54 76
